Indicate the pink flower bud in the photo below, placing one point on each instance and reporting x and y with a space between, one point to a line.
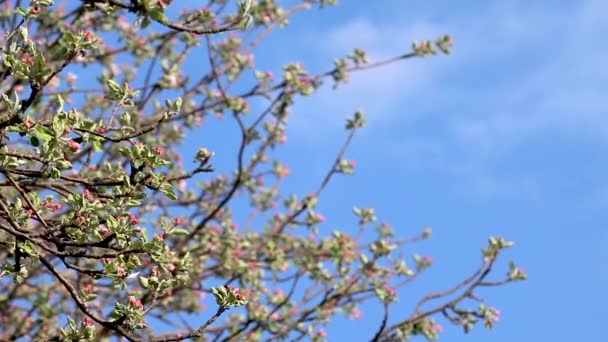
88 36
27 60
104 231
73 145
437 328
133 219
135 302
28 123
88 288
87 321
284 171
159 150
427 259
52 206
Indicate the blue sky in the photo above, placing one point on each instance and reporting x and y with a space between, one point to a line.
508 136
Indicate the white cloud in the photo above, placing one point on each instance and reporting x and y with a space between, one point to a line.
539 70
379 92
564 93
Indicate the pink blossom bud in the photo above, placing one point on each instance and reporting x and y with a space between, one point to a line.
73 145
427 259
133 219
87 321
88 36
28 123
27 60
159 150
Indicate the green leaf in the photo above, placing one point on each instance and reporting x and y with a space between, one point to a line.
159 15
89 297
144 282
43 133
55 173
114 87
179 232
125 118
168 191
97 146
145 22
58 125
133 203
64 164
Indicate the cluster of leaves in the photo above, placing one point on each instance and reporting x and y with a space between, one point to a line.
105 231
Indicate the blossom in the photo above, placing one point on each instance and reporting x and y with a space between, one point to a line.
87 194
123 24
237 293
88 288
283 171
135 302
28 123
52 206
159 150
28 60
73 145
87 321
356 314
436 328
104 231
79 219
88 36
427 259
320 218
133 220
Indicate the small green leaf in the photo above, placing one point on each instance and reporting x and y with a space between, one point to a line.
55 173
71 323
64 164
179 232
144 282
168 191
